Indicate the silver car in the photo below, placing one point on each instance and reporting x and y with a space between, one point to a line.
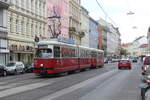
15 67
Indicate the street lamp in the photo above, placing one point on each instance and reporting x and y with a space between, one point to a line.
55 25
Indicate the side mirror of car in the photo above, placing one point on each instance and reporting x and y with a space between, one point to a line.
143 73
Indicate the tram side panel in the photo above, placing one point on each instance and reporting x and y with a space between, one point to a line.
69 58
100 59
93 59
83 59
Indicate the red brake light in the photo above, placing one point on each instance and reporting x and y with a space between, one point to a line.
148 84
145 61
145 71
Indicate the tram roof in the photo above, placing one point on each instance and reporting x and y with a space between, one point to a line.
54 43
65 44
90 48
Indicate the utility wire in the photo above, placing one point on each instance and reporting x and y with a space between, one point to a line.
105 13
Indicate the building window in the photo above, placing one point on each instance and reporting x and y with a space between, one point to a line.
1 17
32 6
27 4
11 25
40 29
40 8
17 26
27 28
32 29
17 2
36 8
36 29
22 3
22 26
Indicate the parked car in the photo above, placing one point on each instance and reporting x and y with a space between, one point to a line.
124 63
133 59
145 86
146 64
29 67
15 67
3 71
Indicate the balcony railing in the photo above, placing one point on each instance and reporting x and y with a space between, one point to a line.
72 29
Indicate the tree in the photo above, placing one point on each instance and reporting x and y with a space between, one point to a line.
123 52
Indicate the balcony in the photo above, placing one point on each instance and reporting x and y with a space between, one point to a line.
72 29
81 34
4 3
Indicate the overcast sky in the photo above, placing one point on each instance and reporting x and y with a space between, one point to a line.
117 10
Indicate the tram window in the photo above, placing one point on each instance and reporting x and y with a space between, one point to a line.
44 53
94 54
56 51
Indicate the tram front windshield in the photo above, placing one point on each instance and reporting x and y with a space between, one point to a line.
44 53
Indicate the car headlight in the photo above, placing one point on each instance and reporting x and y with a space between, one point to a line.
148 76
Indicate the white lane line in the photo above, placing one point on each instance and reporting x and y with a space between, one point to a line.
77 86
2 83
24 88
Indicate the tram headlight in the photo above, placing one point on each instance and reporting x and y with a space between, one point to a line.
41 65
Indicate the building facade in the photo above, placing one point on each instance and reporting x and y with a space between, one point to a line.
26 19
103 33
75 21
148 39
143 49
58 8
4 52
85 27
134 47
113 41
93 33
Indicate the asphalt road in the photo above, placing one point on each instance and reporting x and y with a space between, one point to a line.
106 83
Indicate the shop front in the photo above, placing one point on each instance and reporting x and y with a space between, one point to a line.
22 52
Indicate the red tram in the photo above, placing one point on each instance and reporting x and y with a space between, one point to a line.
54 57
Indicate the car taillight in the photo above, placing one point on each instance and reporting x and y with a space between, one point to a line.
145 71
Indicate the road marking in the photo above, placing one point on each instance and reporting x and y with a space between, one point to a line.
24 88
77 86
2 83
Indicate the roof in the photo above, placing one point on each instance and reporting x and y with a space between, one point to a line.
144 46
65 44
125 45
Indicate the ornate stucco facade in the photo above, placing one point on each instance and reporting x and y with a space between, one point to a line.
75 21
59 8
26 19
